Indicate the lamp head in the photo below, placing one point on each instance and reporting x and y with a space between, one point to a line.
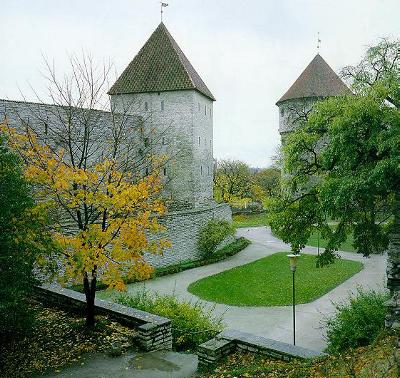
293 261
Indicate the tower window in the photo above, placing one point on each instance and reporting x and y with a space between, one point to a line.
210 112
205 110
165 171
162 105
201 169
146 106
199 141
147 171
208 170
199 106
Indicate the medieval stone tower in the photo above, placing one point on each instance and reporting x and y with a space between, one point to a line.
316 82
162 87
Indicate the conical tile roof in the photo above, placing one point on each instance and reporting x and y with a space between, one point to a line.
317 80
159 66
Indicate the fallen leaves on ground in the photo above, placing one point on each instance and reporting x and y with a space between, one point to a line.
382 359
59 339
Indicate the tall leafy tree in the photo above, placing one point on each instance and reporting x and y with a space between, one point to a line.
112 211
23 239
344 164
232 181
268 180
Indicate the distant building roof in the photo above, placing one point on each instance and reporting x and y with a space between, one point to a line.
317 80
159 66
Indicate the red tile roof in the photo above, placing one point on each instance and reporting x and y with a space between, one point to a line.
159 66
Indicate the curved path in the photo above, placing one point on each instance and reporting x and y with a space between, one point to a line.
273 322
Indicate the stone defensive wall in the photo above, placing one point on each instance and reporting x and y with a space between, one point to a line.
183 228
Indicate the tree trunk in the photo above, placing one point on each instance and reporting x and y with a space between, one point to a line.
90 293
393 270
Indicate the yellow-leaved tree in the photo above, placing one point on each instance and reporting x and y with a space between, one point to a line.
113 215
100 179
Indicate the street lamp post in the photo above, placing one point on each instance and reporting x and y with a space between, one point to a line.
316 226
293 266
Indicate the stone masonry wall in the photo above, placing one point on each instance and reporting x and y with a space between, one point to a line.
230 341
154 331
184 122
290 112
203 163
182 117
183 228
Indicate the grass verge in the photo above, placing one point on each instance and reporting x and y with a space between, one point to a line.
249 220
346 246
268 281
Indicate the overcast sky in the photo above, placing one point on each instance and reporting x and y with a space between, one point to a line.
247 52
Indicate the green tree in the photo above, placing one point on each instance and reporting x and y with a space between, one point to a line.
268 179
22 240
232 181
344 164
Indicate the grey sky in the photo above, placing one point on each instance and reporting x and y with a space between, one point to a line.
247 52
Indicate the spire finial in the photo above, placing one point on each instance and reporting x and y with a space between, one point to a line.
163 5
318 43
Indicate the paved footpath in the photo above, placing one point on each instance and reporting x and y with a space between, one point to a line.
273 322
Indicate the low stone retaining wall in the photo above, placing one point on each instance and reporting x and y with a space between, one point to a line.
154 331
231 340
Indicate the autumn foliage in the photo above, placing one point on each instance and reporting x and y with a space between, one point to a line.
103 215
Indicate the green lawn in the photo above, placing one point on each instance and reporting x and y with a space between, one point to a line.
346 246
256 220
250 220
268 281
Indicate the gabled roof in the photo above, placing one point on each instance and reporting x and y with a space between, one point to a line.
317 80
159 66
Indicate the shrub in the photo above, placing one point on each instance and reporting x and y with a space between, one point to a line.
192 323
212 235
357 322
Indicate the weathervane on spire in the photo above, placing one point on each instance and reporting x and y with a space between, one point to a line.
318 43
163 5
